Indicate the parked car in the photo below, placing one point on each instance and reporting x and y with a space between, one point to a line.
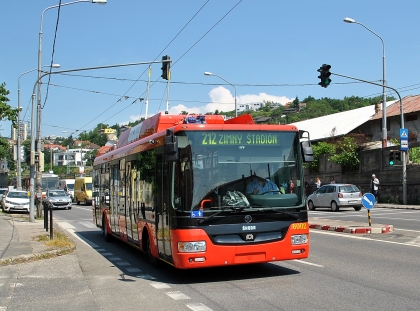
16 200
335 196
57 198
2 191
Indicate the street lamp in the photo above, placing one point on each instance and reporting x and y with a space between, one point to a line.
384 128
38 175
39 190
213 74
18 138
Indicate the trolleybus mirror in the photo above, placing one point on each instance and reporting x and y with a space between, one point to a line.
171 147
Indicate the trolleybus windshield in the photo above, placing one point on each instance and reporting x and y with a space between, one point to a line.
217 168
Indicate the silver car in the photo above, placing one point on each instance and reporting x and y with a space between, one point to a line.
57 199
335 196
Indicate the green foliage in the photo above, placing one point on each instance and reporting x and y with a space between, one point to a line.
346 154
414 154
320 149
7 153
7 112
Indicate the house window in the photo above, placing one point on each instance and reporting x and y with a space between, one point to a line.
411 117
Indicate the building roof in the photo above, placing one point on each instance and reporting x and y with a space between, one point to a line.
338 124
410 104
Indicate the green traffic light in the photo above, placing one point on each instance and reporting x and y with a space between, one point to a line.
391 162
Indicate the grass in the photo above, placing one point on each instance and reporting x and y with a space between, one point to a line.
60 240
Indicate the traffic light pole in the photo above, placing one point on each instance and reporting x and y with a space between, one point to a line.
403 152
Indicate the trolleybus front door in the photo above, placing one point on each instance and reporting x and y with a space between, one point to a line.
163 231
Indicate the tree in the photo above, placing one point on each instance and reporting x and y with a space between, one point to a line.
6 111
347 154
6 153
296 102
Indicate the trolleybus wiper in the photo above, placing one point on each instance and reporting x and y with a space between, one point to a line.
223 208
262 207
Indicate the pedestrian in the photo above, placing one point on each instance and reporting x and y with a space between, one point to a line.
291 186
374 187
318 183
332 180
306 188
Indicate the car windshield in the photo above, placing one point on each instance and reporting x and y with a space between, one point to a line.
70 186
18 195
57 193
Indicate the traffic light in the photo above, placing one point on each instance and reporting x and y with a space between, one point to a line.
397 155
166 66
41 162
391 158
324 75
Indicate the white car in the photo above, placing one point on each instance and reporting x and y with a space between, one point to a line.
16 200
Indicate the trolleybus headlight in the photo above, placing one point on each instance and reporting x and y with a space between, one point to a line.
299 239
191 247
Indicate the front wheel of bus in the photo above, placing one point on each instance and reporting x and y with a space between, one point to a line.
105 233
153 260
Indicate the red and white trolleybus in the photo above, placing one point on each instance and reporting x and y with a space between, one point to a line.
178 188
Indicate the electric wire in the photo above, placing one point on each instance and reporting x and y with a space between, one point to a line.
52 53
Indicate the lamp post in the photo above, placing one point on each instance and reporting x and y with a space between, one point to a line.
39 190
213 74
38 136
384 128
18 138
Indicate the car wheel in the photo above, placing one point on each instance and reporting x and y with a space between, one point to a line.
153 260
358 208
77 201
105 233
334 206
311 205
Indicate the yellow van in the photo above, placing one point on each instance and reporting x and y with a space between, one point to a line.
83 190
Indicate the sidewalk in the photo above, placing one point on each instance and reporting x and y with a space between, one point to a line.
18 240
356 227
18 236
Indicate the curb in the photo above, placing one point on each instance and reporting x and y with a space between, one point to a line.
353 229
37 256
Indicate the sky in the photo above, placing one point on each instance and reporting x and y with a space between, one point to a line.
258 49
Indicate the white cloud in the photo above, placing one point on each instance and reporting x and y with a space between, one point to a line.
222 99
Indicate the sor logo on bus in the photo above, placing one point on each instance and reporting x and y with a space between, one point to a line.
298 226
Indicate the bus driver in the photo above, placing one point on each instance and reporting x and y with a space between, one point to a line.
261 184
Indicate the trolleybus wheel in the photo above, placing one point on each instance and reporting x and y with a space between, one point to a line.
153 260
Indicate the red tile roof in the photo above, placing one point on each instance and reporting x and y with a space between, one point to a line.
410 104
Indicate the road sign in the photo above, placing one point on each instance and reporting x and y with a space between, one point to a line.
403 139
368 200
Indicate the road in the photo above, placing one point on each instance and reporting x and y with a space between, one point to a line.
343 272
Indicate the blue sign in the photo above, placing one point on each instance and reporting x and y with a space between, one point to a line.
368 200
403 139
195 214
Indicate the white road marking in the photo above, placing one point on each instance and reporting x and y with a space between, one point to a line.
198 307
159 285
65 225
88 224
308 263
352 236
78 237
122 263
177 295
